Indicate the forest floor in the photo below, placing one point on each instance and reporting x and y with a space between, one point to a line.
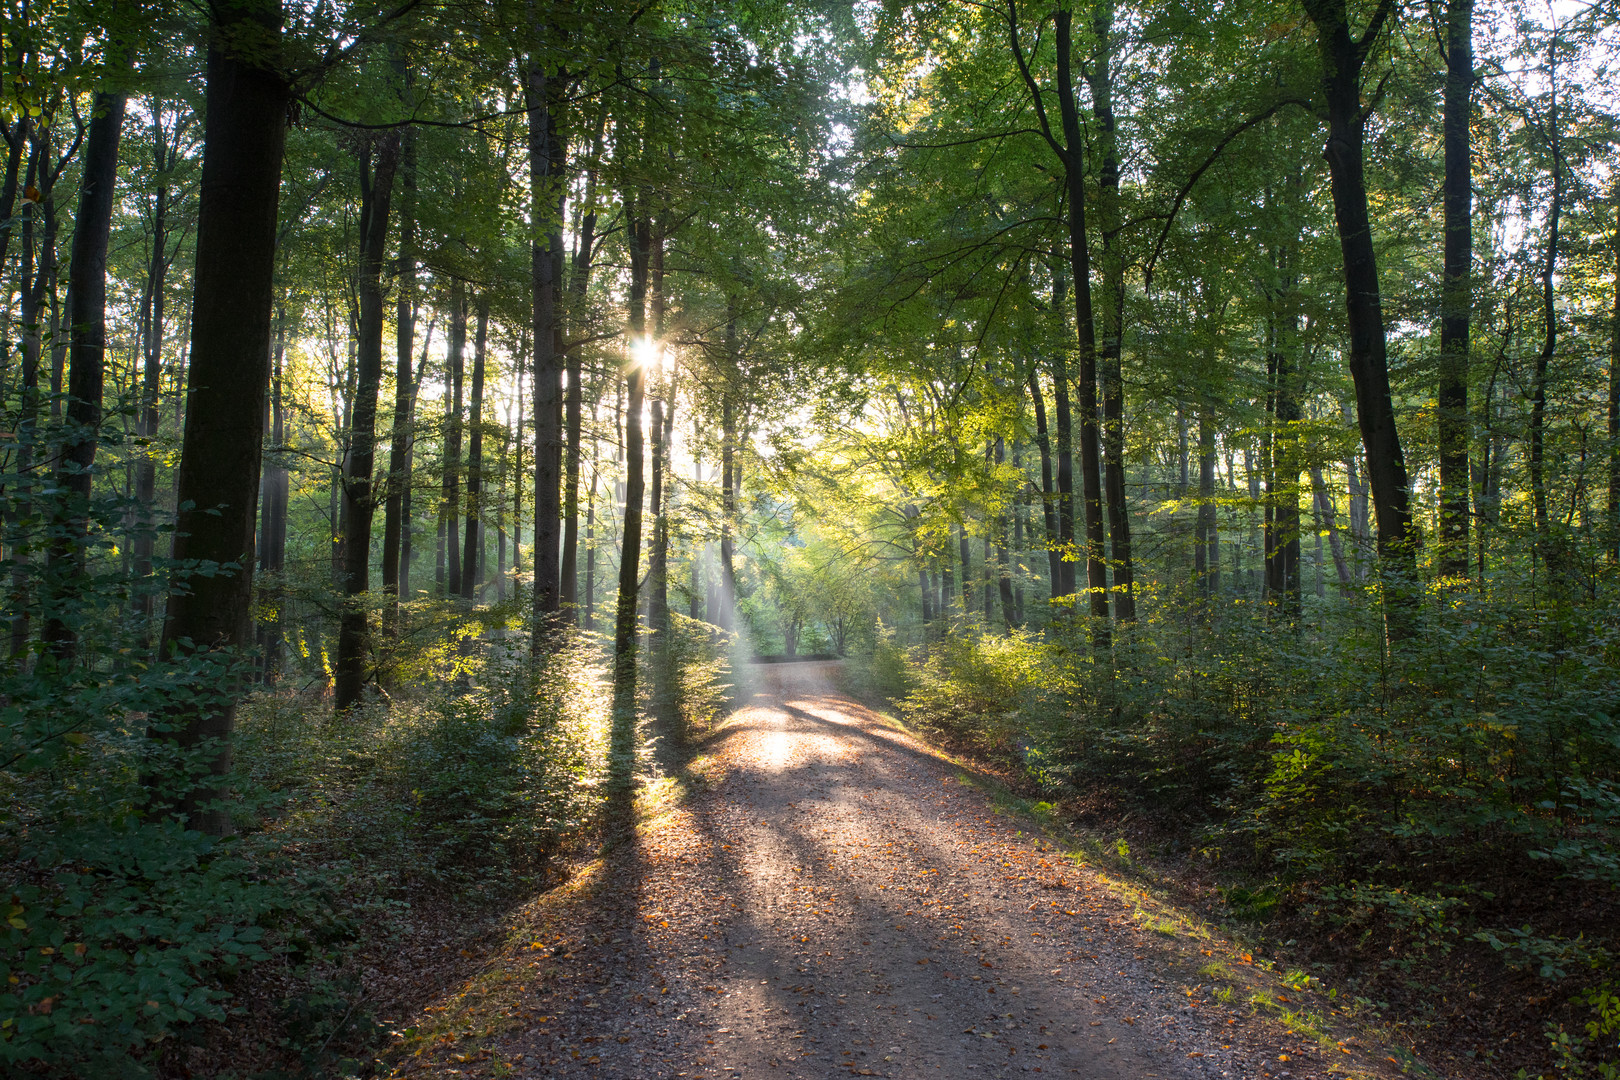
819 894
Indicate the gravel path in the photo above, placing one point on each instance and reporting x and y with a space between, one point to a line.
836 903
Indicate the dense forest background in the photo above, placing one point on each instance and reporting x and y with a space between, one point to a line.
1212 412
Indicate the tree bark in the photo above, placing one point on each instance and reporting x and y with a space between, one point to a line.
1004 587
16 139
87 329
966 554
406 529
243 138
578 285
450 499
624 623
1328 514
472 571
588 601
273 527
546 193
1343 58
394 523
38 256
923 591
1080 271
379 160
663 419
1206 538
1065 459
1549 546
1614 402
1100 79
728 469
151 332
1283 584
1456 292
1054 561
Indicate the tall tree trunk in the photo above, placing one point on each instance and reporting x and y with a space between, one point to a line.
1100 79
342 391
38 253
1457 292
1065 459
1054 560
87 328
697 594
728 468
663 419
1549 546
243 138
588 601
472 571
1206 537
394 523
987 582
578 284
517 472
455 372
500 536
1080 271
151 333
406 521
1614 401
1328 515
379 159
1283 585
1343 57
1004 588
547 190
624 623
1022 529
273 511
924 596
16 140
966 554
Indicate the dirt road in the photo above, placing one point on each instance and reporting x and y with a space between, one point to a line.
836 903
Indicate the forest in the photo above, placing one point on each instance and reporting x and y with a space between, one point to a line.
422 422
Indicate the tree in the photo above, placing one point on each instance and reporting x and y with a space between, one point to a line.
1457 294
1343 57
87 325
243 138
378 160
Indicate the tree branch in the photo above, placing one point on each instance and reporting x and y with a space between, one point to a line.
1214 155
1029 81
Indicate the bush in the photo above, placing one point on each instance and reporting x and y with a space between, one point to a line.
978 686
880 673
125 929
701 667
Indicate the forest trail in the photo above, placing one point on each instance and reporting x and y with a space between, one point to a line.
835 902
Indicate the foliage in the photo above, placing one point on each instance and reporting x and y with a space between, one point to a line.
126 930
978 684
702 670
1394 795
880 671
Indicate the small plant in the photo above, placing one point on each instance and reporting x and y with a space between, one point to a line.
1552 957
1251 905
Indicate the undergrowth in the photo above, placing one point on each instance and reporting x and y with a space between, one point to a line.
1407 805
136 945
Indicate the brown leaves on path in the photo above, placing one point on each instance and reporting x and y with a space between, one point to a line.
835 901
